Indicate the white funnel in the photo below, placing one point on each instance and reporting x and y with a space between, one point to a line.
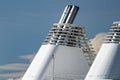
107 63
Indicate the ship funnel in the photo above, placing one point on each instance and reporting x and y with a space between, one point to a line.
69 14
61 52
106 65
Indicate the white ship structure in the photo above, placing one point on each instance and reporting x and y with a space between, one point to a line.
65 54
107 63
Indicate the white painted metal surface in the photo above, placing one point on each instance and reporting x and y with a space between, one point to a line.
69 64
107 63
69 61
39 63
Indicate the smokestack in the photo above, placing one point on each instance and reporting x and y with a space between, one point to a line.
106 65
63 41
69 14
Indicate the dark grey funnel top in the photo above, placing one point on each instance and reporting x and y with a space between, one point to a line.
69 14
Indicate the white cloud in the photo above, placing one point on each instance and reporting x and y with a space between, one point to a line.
97 41
15 79
16 69
14 66
14 75
28 57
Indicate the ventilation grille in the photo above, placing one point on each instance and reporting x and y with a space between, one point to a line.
65 34
114 34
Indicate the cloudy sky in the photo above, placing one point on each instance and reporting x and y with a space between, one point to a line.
25 23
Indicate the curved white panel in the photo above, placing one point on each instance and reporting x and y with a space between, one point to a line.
106 64
40 62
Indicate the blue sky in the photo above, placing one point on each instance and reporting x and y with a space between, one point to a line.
25 23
